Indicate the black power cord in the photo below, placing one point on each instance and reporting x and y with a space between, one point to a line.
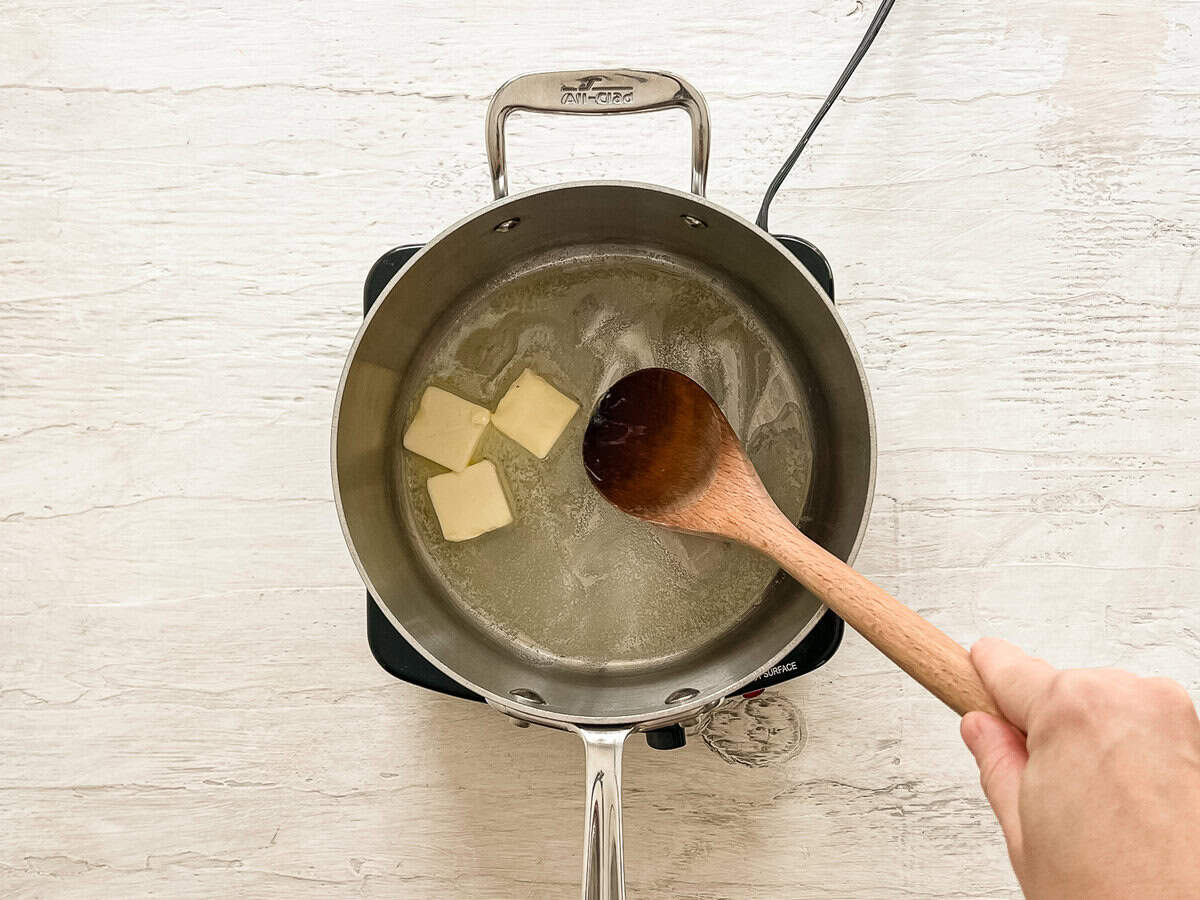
873 29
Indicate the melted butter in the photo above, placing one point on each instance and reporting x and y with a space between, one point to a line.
572 577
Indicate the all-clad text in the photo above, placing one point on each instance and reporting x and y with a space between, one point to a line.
586 91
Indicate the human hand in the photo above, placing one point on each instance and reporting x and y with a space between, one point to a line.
1100 797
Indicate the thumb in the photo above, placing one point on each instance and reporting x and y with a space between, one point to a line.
999 751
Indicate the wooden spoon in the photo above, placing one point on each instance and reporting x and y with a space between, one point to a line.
659 448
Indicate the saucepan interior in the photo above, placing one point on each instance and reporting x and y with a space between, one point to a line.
584 283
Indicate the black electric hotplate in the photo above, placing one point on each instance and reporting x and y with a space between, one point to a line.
399 658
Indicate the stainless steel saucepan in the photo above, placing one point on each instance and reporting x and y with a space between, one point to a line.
565 232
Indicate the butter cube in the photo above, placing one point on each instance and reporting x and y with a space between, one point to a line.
533 413
469 503
446 429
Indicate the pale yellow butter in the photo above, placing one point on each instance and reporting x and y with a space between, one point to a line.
533 413
446 429
469 503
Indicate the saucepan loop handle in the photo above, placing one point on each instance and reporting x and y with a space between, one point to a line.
603 851
596 92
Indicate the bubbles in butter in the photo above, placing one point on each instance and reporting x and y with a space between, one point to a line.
573 578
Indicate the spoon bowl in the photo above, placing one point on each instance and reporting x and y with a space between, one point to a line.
640 466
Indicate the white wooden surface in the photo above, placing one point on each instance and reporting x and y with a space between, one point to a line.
190 196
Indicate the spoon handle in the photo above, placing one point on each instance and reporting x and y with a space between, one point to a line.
929 655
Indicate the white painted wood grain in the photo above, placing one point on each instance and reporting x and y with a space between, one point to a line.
190 196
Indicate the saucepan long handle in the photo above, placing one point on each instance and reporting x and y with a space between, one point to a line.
596 92
603 852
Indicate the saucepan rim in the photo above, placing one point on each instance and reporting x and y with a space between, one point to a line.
666 713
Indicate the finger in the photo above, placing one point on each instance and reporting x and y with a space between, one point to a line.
1014 679
999 751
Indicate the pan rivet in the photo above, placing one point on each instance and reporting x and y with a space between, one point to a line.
693 222
507 225
681 696
529 696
